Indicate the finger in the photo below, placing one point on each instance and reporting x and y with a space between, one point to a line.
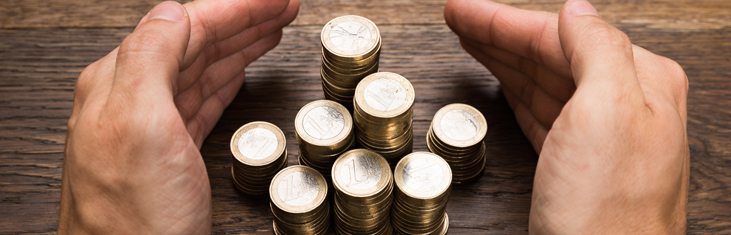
600 55
234 44
148 61
528 34
213 21
205 119
221 73
544 108
560 88
535 132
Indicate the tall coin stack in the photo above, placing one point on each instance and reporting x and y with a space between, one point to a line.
363 193
324 130
298 203
423 183
259 152
351 46
456 134
383 110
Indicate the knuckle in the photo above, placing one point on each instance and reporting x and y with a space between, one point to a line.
85 79
141 42
676 74
606 35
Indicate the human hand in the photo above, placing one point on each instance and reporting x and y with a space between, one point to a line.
132 162
607 118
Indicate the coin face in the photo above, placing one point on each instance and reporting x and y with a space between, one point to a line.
350 38
323 122
257 143
360 172
459 125
298 188
350 35
423 175
385 94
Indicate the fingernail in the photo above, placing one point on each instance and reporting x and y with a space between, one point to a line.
581 8
170 11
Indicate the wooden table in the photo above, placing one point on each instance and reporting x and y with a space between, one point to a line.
44 45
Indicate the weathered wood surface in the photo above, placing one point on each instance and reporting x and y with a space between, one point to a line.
44 45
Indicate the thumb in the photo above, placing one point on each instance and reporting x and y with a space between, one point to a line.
149 59
600 55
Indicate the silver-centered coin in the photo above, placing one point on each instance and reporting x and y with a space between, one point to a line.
323 122
459 125
298 188
350 36
257 143
423 175
360 172
385 94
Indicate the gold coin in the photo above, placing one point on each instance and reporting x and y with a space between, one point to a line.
298 189
361 173
422 175
258 143
323 123
258 153
459 125
384 95
350 36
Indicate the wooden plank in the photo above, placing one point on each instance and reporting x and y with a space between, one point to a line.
686 14
38 69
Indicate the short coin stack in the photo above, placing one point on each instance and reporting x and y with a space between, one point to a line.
456 134
259 152
351 46
363 193
298 203
324 130
383 110
423 183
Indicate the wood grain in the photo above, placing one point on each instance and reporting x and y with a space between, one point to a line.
44 45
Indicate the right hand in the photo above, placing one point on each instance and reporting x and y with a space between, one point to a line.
607 118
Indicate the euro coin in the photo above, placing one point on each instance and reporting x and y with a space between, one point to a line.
298 201
351 48
324 130
258 152
456 133
422 186
363 185
382 110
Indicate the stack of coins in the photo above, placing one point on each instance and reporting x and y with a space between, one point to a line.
363 193
351 46
259 152
383 110
456 134
423 183
298 202
324 130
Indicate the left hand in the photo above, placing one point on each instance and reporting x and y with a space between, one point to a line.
140 114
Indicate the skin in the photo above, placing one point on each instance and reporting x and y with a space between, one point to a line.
132 162
606 117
